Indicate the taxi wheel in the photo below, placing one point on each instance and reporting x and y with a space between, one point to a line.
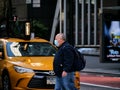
6 82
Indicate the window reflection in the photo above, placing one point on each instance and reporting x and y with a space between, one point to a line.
29 49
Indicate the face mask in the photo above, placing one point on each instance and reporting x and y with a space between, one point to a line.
56 43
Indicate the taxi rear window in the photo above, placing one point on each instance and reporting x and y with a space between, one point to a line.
29 49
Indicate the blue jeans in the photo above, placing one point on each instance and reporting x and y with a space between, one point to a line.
65 83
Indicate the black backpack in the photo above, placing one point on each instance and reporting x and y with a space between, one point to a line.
79 62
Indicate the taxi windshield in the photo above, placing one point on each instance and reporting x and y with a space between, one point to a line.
29 49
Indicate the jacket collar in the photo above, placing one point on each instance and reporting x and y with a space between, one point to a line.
64 44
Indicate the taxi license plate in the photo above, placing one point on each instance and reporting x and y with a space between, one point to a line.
50 80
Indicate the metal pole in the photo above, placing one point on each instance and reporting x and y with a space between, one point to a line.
65 13
60 16
55 21
76 22
101 6
82 21
89 19
95 22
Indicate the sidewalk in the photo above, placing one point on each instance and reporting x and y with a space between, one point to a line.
102 71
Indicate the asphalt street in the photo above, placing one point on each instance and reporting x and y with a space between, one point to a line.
100 76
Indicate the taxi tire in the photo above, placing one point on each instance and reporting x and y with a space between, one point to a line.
6 82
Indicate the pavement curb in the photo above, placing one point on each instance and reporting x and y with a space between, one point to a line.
103 71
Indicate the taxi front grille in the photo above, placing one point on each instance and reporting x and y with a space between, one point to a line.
40 81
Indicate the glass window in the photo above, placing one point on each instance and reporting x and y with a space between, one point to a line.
29 49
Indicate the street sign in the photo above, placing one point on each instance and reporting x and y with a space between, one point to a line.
28 1
36 3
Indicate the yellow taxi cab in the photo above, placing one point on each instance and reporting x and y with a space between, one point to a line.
26 64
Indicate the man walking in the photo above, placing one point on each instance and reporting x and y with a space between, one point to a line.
62 64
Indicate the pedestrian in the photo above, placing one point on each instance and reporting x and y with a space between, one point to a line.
62 64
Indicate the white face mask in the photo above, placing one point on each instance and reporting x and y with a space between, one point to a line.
56 43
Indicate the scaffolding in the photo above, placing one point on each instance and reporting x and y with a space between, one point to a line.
79 22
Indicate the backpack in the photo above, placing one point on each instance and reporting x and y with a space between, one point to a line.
79 62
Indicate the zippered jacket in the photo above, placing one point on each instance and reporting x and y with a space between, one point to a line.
63 60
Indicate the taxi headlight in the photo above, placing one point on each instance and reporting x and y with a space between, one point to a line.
23 70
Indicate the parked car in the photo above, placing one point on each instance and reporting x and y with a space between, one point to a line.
26 64
89 51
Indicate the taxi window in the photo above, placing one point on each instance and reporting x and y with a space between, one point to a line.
29 49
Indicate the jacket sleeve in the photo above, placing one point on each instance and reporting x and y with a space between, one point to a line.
68 57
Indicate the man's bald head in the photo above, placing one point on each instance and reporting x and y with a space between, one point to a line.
60 37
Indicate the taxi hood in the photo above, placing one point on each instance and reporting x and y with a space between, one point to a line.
36 63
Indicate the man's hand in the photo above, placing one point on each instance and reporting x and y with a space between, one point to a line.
64 73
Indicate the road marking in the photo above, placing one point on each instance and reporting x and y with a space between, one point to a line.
100 85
